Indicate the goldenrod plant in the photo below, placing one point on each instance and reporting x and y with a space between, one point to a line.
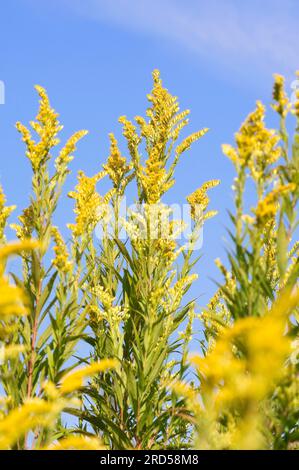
101 328
134 289
248 375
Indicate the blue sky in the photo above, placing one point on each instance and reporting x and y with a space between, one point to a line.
95 59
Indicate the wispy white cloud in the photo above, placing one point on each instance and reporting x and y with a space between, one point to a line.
235 33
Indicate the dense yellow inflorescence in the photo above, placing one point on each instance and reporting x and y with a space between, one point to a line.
199 200
237 374
37 413
13 300
47 128
61 260
160 131
256 146
116 165
65 155
88 203
268 206
5 212
282 103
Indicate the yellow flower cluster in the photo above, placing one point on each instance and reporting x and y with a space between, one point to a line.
186 144
250 376
241 370
40 412
65 155
174 294
268 206
116 166
154 176
12 298
133 140
160 132
15 248
282 104
5 212
46 126
161 113
257 147
166 249
163 108
61 260
269 256
88 203
24 230
75 380
293 256
35 412
199 201
114 314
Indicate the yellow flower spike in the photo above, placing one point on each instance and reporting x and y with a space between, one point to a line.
15 248
46 117
160 132
46 126
282 103
240 371
35 412
27 138
210 214
12 300
268 206
154 176
5 212
222 366
75 380
130 134
113 314
231 153
178 122
61 260
165 123
116 166
256 146
88 203
65 156
186 144
294 250
199 199
164 108
25 229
